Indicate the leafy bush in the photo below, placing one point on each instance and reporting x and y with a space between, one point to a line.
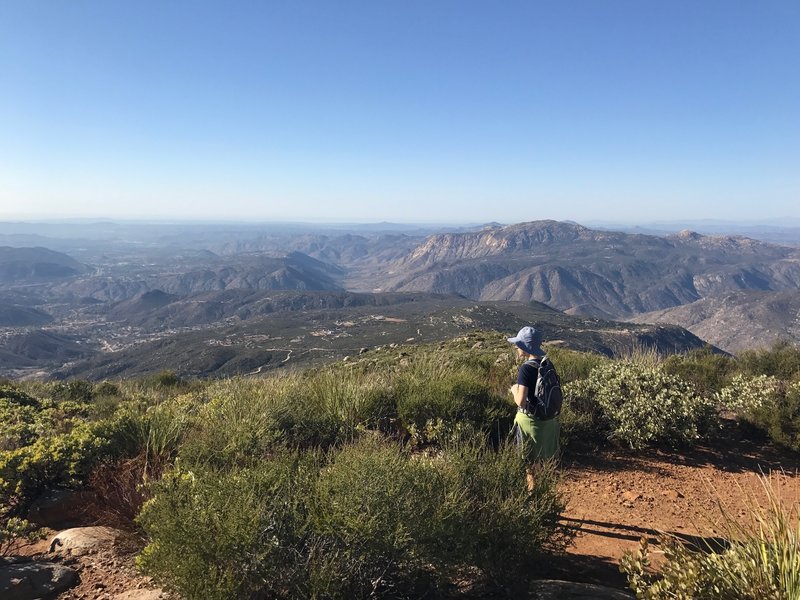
154 432
767 404
745 393
706 370
432 394
49 460
762 559
44 442
501 527
14 528
167 378
355 401
77 390
781 361
381 516
640 405
224 535
572 365
583 421
779 416
246 420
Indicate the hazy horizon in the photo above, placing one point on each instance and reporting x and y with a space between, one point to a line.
618 111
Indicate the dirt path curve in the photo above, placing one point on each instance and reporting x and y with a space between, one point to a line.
617 496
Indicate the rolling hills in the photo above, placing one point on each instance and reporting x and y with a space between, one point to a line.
300 329
195 299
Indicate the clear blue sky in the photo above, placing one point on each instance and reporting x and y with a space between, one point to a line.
405 110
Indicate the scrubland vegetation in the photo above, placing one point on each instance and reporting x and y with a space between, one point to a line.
388 474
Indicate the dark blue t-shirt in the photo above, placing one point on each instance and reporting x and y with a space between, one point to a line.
528 372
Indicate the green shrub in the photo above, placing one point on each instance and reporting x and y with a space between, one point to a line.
583 421
234 534
745 394
501 528
47 461
13 529
353 401
247 419
77 390
43 442
154 432
781 361
572 365
382 515
779 416
450 397
762 559
369 519
641 405
17 397
767 404
706 370
167 379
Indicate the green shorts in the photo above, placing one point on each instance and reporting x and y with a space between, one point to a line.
538 439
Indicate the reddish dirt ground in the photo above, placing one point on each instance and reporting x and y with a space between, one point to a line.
616 497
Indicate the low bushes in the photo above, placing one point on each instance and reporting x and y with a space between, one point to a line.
706 370
778 415
223 535
43 442
432 404
368 519
782 360
637 405
573 365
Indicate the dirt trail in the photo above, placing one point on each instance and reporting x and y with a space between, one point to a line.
615 497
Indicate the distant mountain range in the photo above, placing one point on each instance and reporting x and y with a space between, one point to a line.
584 271
203 301
30 265
296 271
737 321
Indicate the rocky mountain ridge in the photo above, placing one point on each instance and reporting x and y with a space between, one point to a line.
584 271
737 321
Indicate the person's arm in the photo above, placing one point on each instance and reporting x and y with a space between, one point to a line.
520 394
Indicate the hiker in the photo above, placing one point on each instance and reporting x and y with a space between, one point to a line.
536 425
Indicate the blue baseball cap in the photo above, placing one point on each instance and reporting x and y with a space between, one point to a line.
529 340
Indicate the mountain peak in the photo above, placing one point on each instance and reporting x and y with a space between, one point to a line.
688 234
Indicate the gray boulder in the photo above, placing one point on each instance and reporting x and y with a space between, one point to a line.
35 579
85 540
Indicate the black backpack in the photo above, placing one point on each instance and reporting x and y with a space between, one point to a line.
545 401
